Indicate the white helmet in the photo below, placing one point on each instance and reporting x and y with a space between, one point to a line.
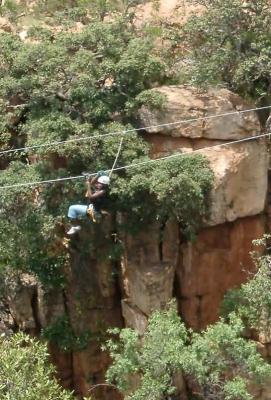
104 179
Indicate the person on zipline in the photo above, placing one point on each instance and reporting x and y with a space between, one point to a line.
97 189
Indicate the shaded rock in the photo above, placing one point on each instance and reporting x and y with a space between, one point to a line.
180 385
148 267
187 102
21 298
133 317
64 366
218 261
152 245
93 305
89 369
5 25
51 306
7 323
150 286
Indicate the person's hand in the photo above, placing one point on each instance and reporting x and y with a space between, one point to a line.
101 173
86 175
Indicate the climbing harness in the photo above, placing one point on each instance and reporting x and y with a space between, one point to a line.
92 214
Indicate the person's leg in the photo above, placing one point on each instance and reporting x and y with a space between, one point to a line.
75 212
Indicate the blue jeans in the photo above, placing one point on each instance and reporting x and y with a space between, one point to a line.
77 211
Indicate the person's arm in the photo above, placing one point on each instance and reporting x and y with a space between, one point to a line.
96 195
89 184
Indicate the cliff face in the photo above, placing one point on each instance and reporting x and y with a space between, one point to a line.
158 264
219 258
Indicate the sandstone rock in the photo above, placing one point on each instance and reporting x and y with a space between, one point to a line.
63 363
268 349
173 10
180 385
148 270
265 393
51 306
21 297
7 323
150 286
133 317
262 349
240 170
265 337
153 245
217 261
240 185
89 370
5 25
23 34
92 303
186 102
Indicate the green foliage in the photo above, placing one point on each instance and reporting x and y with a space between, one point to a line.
22 214
181 186
236 389
229 43
223 362
252 301
219 360
72 82
61 333
25 371
176 188
125 355
155 364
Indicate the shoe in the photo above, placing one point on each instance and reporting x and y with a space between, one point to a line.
74 229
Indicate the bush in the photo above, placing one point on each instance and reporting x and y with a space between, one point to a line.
25 372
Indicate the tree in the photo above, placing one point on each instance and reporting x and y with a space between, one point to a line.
252 301
154 360
65 83
228 43
25 372
223 363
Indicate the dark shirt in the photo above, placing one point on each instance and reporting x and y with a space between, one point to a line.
99 201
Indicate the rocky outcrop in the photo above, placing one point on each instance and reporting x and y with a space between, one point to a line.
240 169
5 25
219 257
148 270
21 298
194 105
240 185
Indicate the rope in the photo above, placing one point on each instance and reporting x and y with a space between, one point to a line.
48 144
137 164
117 156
